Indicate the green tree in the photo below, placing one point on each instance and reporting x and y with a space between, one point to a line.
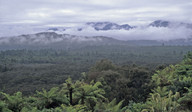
162 100
69 89
50 99
3 107
14 102
112 106
90 94
186 100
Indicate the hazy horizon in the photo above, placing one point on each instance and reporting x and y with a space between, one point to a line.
30 16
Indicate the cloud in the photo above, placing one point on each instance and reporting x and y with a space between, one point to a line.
22 16
49 11
147 33
139 33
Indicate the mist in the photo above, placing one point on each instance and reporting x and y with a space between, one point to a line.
140 33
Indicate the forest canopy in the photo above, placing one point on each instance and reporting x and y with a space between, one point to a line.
107 87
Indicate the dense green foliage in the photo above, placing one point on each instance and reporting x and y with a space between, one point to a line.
111 88
122 82
105 87
31 70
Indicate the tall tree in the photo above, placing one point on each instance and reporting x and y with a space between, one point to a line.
90 94
69 89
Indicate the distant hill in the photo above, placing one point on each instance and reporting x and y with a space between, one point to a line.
170 24
64 41
105 26
108 26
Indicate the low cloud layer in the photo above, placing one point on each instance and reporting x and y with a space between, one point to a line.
139 33
147 33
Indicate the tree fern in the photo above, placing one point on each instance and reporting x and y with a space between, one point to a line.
159 102
186 100
14 102
50 99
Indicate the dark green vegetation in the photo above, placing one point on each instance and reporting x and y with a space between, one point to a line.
30 70
138 80
171 91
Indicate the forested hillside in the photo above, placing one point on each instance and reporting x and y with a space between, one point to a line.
31 70
107 87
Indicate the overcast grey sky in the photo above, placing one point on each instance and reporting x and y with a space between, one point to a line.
22 16
57 12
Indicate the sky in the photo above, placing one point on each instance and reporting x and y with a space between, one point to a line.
25 14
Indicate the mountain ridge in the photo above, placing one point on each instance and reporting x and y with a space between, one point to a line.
105 26
62 41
